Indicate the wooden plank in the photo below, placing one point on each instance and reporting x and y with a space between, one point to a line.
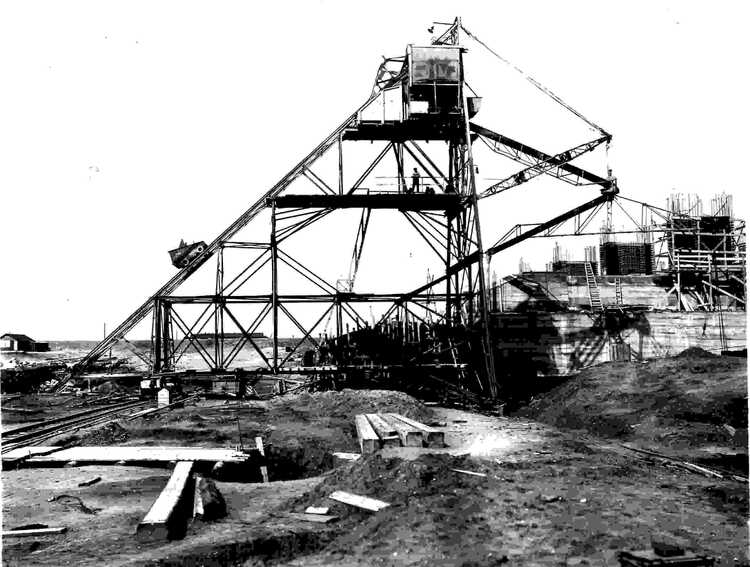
20 453
262 451
198 511
35 532
115 454
472 473
208 503
369 442
433 437
388 435
346 456
358 501
164 519
141 413
90 482
320 519
409 436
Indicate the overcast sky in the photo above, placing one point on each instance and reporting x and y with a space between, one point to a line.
125 126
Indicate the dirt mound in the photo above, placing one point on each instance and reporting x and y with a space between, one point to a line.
687 402
395 480
306 428
347 403
695 352
431 507
109 434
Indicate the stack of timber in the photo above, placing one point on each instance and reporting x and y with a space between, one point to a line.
383 430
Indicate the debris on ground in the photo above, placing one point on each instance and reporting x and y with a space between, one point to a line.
73 503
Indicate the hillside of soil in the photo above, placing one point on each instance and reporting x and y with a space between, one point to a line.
693 405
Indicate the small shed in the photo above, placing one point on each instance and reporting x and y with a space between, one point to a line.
21 343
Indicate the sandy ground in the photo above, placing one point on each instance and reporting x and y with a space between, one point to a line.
549 498
558 487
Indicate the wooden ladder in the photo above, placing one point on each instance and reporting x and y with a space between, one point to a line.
618 291
595 298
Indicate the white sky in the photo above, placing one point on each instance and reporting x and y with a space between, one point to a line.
125 126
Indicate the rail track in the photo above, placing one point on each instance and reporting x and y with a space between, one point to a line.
35 433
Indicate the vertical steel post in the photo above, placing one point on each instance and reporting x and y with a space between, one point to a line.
219 310
339 318
166 337
399 150
157 326
447 266
341 166
274 289
485 317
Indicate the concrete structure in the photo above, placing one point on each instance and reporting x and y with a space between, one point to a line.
21 343
534 290
561 343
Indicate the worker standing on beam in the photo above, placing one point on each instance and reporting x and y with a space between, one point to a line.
415 181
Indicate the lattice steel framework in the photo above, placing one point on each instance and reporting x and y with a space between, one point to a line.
448 222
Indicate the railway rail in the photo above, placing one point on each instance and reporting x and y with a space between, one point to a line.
35 433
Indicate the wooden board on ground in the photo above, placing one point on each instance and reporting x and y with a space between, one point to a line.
346 456
115 454
388 435
141 413
167 515
472 473
364 502
36 532
208 503
318 518
20 453
369 442
432 437
262 451
409 436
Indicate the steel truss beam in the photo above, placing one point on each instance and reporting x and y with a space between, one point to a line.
551 166
166 306
527 155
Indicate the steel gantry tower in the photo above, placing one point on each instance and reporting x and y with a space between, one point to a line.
419 97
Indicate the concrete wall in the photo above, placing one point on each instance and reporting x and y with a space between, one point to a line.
561 343
573 291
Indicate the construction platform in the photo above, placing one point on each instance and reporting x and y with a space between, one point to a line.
449 202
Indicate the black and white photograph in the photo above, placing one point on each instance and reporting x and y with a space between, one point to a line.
358 284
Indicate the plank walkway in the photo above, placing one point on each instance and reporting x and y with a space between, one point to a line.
116 454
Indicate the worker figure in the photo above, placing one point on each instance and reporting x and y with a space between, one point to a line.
415 181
